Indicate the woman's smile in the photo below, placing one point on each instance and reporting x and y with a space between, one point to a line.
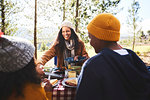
66 32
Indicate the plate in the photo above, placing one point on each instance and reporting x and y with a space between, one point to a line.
64 84
43 84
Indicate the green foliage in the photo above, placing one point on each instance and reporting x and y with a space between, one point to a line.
148 32
139 48
84 37
43 47
132 20
125 42
87 13
8 12
148 35
108 6
138 53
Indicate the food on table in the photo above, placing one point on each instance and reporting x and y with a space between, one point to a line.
53 81
46 70
71 82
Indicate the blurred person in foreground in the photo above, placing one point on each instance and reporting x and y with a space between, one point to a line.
67 44
115 73
19 79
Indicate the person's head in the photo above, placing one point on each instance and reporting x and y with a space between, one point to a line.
104 30
17 66
66 33
66 29
15 53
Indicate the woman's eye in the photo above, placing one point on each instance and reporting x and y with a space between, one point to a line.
67 31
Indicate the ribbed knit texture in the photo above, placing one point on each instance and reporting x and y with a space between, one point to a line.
67 24
15 53
105 27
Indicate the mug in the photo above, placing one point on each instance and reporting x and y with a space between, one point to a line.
71 74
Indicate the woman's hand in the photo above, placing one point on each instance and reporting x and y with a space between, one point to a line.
48 85
40 69
86 56
76 58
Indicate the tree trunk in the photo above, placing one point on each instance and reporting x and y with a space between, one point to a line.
133 42
134 28
64 10
3 16
35 27
76 23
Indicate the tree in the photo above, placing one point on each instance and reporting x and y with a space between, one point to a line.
35 28
76 17
142 36
80 14
64 10
108 6
148 34
8 10
132 20
86 13
43 12
2 16
43 46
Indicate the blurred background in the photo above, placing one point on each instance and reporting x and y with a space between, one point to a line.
39 21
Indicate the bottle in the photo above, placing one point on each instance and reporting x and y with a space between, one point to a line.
69 66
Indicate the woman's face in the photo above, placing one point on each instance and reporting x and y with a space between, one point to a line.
66 32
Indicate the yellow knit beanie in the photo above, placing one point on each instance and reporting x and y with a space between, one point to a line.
105 27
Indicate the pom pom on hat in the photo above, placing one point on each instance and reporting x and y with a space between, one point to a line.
1 33
15 53
67 24
105 27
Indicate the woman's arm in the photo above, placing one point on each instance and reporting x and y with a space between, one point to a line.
49 54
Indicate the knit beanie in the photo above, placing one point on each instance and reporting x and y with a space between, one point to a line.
67 24
105 27
15 53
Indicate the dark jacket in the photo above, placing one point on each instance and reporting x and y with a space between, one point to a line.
111 76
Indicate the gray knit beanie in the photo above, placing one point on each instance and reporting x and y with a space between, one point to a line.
67 24
15 53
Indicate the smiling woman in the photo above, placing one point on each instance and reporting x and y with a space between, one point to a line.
66 45
66 32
